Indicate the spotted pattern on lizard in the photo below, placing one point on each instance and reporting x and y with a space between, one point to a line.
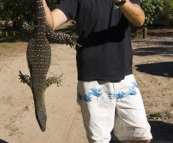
39 58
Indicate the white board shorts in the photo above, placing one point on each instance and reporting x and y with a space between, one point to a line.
108 106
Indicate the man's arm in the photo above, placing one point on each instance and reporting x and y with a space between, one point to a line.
133 13
54 18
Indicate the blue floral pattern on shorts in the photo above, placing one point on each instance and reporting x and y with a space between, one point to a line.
98 92
94 92
131 91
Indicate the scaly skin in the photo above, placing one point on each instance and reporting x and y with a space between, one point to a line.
39 58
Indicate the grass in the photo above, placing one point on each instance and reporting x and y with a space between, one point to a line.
5 45
154 116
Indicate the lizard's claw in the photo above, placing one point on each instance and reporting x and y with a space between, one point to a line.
59 80
21 77
24 78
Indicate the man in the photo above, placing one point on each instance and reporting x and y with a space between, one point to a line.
107 91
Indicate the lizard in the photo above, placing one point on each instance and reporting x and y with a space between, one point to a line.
38 56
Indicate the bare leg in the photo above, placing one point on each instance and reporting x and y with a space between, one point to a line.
145 141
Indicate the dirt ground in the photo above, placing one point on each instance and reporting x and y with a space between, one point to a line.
153 69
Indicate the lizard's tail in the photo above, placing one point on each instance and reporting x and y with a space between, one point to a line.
40 110
41 118
38 89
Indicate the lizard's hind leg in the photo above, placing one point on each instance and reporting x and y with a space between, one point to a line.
52 80
25 79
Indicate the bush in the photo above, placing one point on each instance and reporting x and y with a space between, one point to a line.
152 9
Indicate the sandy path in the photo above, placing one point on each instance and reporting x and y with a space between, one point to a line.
153 68
18 123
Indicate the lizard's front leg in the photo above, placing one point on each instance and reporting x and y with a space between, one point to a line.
60 37
28 27
52 80
25 79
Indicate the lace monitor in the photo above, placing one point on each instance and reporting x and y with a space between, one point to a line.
39 57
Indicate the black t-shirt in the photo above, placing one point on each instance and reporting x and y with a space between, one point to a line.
104 33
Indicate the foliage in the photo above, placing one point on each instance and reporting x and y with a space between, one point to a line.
152 9
154 116
156 11
16 10
1 9
19 10
166 16
12 34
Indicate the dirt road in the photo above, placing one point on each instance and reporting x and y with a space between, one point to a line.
153 68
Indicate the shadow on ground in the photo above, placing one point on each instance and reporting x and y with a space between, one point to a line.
164 69
2 141
162 133
153 47
155 42
149 51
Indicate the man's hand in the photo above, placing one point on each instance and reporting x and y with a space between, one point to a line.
117 1
132 12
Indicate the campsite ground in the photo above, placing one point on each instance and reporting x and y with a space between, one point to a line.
153 69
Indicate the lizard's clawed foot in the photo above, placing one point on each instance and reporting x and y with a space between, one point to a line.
57 80
24 78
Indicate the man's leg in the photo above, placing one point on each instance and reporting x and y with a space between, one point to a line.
97 109
145 141
130 118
